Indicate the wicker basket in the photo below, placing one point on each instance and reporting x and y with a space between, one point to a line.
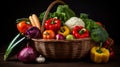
62 49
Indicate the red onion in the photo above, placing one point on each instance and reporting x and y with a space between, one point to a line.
60 37
27 54
33 32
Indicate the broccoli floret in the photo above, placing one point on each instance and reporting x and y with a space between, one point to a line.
99 34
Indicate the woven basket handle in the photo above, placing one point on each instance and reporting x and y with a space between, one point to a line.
48 10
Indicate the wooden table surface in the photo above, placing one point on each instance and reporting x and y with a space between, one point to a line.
49 63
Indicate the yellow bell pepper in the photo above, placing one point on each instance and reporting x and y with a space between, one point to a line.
99 55
64 30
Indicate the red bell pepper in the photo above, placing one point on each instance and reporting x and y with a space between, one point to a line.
108 43
80 32
52 24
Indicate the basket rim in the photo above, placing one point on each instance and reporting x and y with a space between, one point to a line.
55 40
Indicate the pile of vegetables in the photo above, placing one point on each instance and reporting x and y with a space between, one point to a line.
23 38
63 24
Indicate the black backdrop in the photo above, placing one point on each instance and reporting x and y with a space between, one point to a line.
99 10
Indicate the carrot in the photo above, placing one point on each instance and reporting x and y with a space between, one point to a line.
36 20
32 21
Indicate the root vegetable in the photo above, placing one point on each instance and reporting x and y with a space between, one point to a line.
36 20
32 21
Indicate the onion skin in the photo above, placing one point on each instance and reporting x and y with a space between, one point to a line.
27 54
60 37
33 32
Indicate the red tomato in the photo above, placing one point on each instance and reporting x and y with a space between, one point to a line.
48 34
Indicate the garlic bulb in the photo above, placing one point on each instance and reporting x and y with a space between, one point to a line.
40 59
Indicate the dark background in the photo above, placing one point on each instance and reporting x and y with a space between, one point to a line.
100 10
104 11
